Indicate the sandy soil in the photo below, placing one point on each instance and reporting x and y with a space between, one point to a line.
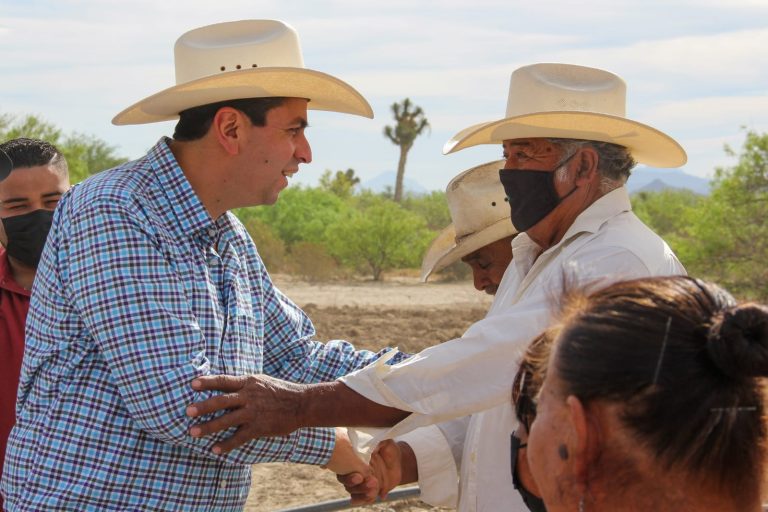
397 312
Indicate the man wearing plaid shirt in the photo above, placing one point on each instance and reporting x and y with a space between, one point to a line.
147 281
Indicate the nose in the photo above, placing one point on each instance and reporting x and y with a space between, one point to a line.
480 279
303 151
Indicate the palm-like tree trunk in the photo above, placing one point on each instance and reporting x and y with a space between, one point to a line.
400 173
408 125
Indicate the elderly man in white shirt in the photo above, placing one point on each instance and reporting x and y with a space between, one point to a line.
480 235
569 149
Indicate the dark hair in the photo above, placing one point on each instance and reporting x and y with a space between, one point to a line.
683 358
530 377
195 122
25 152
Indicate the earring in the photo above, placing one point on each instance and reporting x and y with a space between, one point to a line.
581 504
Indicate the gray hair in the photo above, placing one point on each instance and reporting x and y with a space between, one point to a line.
614 164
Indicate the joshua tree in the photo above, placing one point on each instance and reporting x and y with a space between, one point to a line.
409 125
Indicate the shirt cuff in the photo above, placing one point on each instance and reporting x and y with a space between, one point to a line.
438 474
313 446
369 382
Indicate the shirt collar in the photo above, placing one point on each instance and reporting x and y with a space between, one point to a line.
598 213
525 251
6 277
186 214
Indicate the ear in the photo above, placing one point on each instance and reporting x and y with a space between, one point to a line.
586 443
228 127
587 172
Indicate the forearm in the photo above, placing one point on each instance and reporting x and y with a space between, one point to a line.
331 404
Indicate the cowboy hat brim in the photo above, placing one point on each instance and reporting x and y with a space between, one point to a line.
647 145
323 91
444 249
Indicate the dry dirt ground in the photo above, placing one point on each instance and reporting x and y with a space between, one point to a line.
398 311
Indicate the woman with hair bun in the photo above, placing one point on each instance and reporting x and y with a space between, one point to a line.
654 399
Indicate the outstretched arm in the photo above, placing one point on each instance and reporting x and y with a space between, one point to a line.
262 406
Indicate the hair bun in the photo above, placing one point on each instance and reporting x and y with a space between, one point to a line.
737 341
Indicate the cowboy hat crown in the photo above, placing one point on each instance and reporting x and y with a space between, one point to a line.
571 102
480 214
243 59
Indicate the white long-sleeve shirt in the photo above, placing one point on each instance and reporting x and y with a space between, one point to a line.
474 373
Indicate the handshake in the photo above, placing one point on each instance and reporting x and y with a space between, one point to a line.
392 463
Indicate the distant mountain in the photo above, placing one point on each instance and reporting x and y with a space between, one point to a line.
643 179
650 179
387 179
655 186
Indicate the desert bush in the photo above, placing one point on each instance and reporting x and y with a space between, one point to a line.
380 237
271 248
312 262
301 214
85 154
432 207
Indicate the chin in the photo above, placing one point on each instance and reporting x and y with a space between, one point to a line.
491 290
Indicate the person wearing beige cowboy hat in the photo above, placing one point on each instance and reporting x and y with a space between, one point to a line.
568 149
148 282
480 233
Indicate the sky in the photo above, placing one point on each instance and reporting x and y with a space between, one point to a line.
695 69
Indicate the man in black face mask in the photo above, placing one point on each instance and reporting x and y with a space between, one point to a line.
37 177
568 150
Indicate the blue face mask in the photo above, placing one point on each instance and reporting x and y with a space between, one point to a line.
27 234
532 194
533 502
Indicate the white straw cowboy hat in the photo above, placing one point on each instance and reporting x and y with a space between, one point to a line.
480 215
571 102
243 59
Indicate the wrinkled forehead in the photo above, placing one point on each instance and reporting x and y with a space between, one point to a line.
530 144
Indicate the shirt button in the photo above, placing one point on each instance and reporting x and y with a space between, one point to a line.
223 484
212 233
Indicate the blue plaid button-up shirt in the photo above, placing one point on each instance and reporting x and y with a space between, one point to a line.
139 291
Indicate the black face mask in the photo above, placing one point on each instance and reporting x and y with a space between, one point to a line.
531 194
533 502
26 235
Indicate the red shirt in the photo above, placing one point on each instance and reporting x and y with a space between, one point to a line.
14 304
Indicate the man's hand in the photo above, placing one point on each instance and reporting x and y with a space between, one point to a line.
387 465
393 463
258 406
261 406
356 475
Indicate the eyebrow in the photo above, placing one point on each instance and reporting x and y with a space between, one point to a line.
300 121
